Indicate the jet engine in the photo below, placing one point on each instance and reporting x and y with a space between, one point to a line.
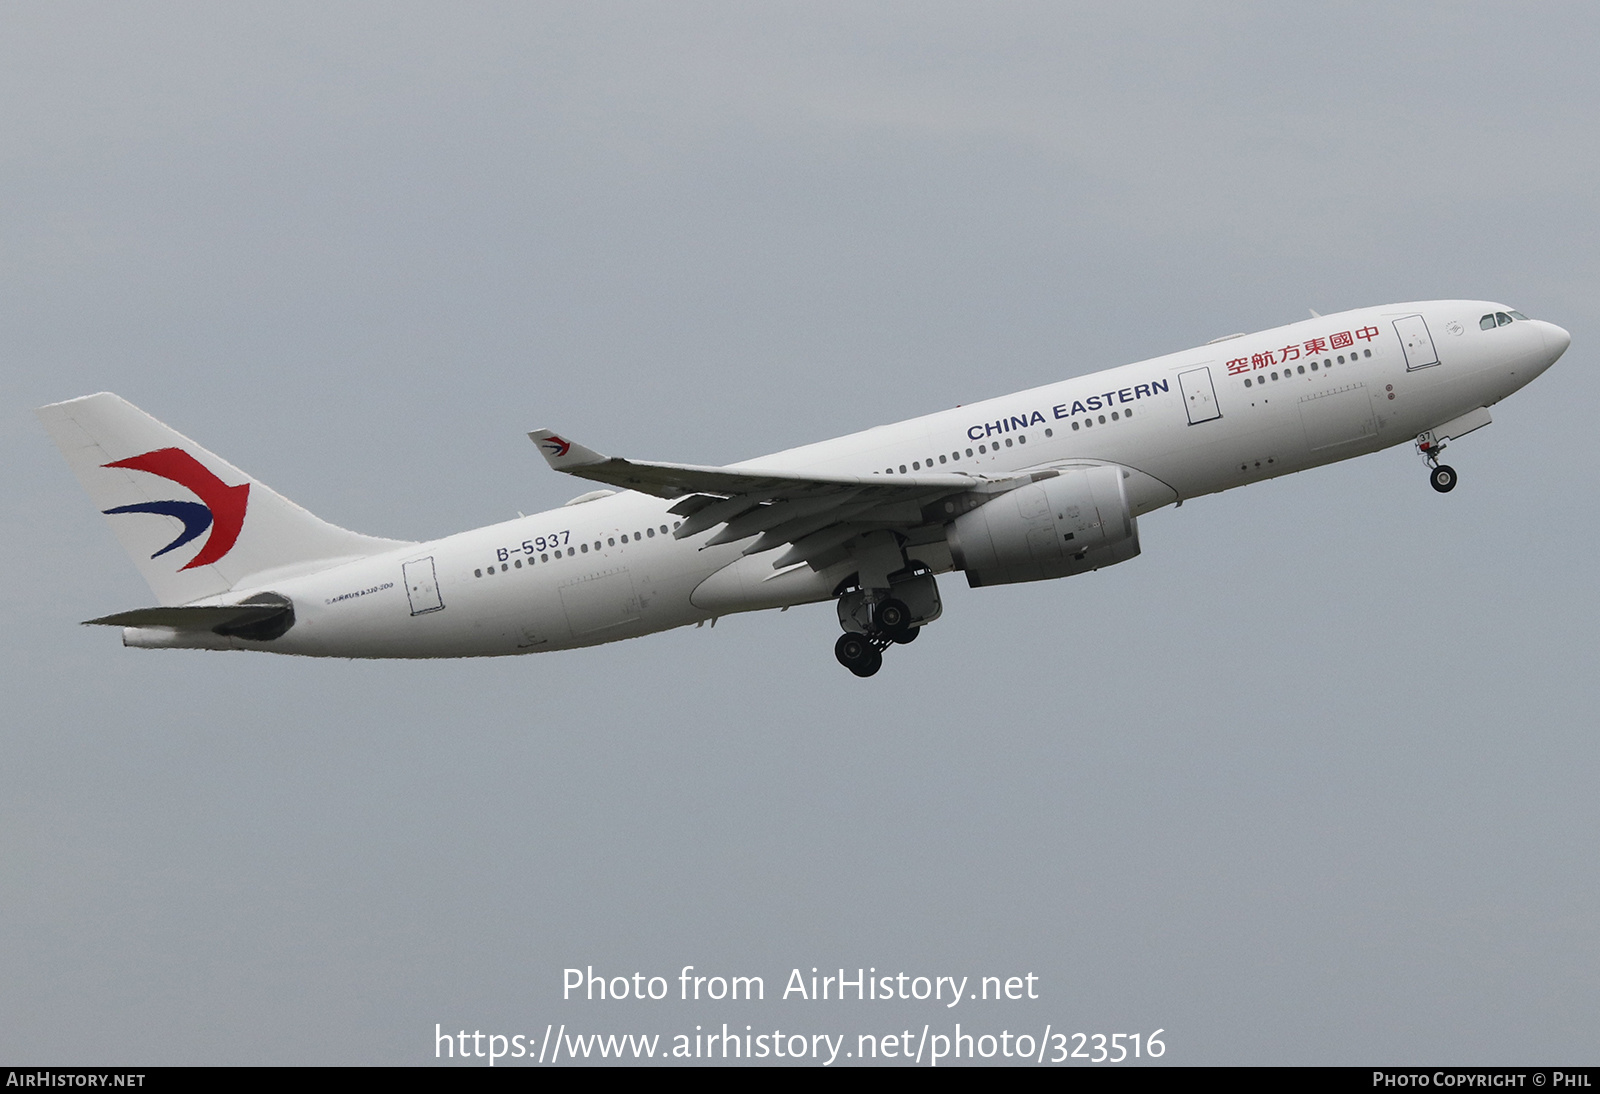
1075 522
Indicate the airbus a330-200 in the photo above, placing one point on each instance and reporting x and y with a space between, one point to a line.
1043 484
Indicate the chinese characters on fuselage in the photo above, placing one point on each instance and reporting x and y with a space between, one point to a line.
1310 348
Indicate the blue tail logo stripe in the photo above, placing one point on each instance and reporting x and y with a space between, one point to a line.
196 518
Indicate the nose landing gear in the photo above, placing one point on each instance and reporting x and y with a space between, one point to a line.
1431 443
1442 477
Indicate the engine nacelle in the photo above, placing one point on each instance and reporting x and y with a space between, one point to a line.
1078 521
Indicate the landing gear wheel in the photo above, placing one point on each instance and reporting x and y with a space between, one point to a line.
893 618
1443 478
857 653
907 636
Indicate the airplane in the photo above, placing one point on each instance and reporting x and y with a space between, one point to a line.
1042 484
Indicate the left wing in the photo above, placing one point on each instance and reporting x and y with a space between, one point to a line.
815 515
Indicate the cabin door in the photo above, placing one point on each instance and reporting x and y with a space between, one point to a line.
422 586
1416 341
1199 397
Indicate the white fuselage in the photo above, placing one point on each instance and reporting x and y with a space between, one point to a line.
1208 419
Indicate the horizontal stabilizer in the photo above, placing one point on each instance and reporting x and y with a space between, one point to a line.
261 617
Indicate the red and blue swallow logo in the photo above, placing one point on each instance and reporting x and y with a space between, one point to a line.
220 508
557 446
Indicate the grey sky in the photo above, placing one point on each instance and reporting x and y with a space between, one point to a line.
1312 780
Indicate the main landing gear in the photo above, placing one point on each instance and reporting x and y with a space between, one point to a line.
1442 477
860 653
873 620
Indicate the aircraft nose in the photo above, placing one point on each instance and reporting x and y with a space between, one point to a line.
1556 340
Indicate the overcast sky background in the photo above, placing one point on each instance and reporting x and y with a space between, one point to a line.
1313 780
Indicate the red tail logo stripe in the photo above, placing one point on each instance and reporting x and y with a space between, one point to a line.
227 503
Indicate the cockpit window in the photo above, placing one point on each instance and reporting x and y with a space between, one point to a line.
1499 318
1487 322
1518 315
1502 318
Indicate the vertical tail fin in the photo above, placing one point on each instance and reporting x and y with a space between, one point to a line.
195 525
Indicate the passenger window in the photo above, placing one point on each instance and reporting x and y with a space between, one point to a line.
1313 366
1102 419
477 573
941 458
611 541
518 564
1301 370
969 452
1049 433
1008 442
584 547
1274 375
651 532
544 558
1247 381
1074 425
663 529
902 469
1486 323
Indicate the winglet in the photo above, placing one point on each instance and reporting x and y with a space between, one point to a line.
562 454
